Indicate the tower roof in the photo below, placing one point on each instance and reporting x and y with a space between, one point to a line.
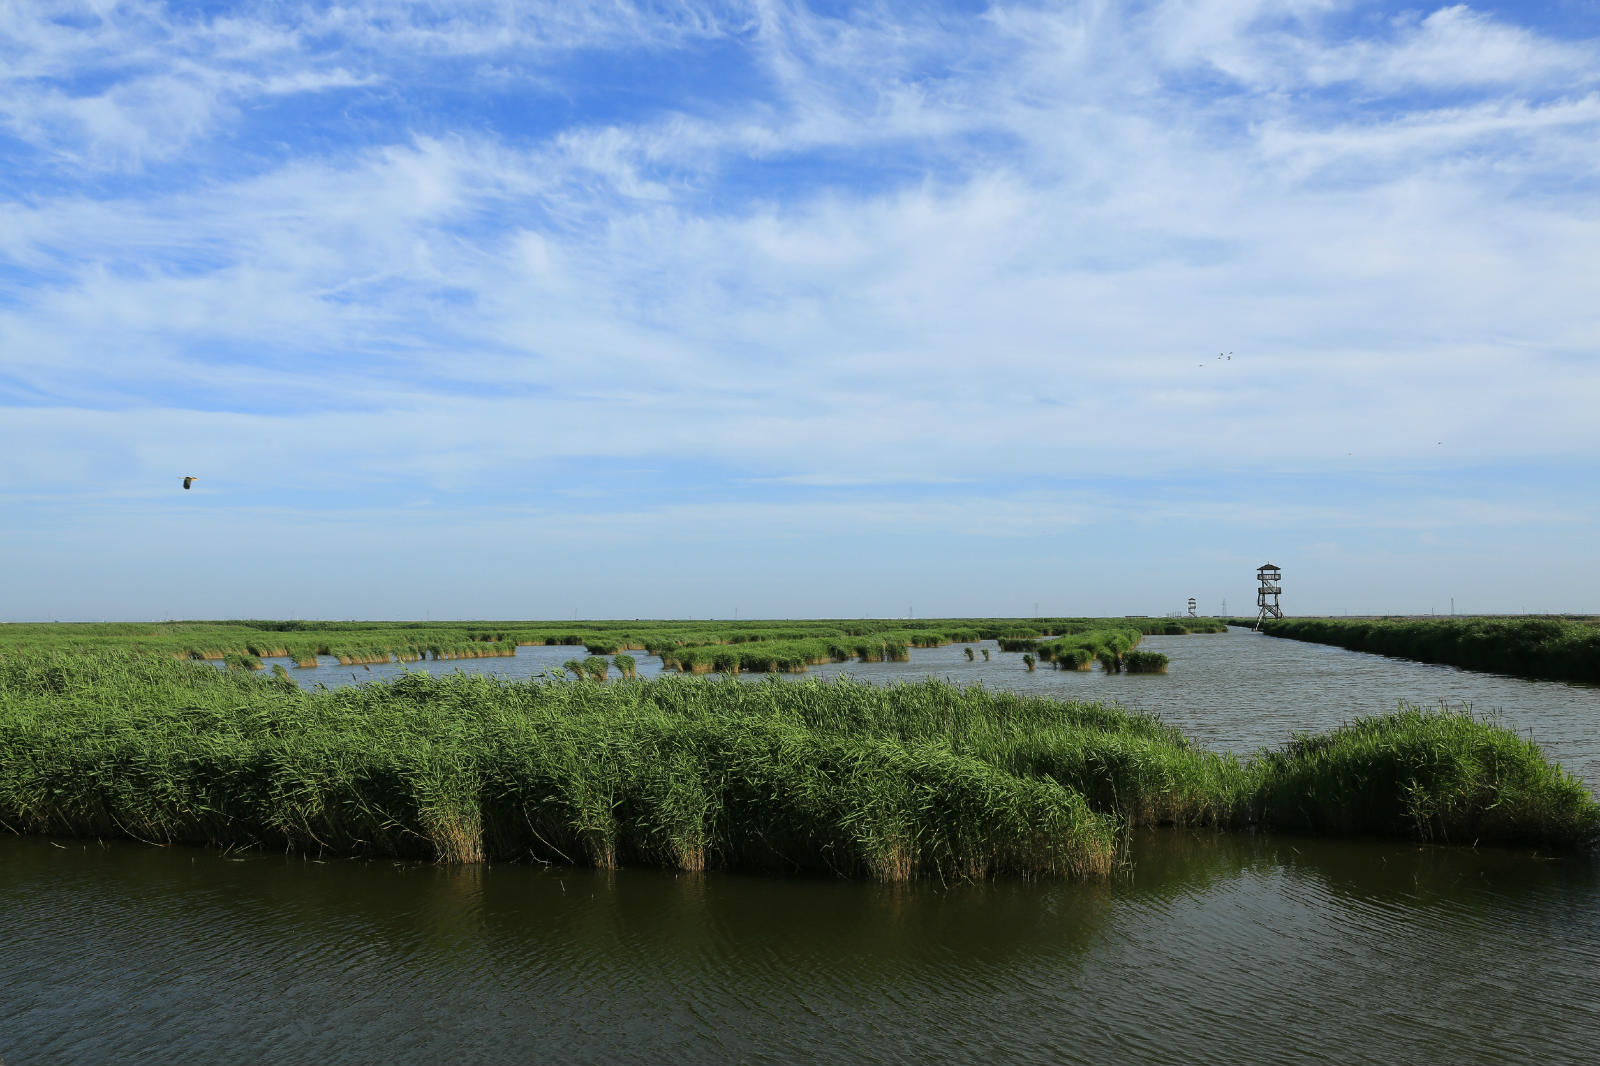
1269 566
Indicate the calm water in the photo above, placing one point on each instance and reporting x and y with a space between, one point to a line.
1220 949
1208 948
1235 691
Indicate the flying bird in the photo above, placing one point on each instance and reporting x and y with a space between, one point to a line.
189 480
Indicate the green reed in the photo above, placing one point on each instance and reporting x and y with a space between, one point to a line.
1430 775
1144 662
682 772
921 779
1554 648
379 642
1106 645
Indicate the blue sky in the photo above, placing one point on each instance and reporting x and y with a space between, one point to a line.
667 310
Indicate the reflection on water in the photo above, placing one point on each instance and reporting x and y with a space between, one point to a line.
1236 691
1209 948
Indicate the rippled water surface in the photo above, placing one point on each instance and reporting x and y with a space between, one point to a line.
1217 949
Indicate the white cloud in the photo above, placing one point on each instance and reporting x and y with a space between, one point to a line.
172 77
1453 47
914 251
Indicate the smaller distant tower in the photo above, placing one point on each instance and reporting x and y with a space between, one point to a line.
1192 606
1267 595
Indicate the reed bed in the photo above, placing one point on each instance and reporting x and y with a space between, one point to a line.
1108 646
1446 776
777 656
788 656
1063 658
368 642
1016 644
681 773
1552 648
1144 662
916 780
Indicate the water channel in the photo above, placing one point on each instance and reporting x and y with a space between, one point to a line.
1208 948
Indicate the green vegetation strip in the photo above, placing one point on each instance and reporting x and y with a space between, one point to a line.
915 780
760 645
1552 648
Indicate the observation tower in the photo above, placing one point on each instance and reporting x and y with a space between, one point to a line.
1267 595
1191 606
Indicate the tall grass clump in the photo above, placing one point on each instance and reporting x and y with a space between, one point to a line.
1128 765
1072 659
1429 775
684 773
1105 645
1144 662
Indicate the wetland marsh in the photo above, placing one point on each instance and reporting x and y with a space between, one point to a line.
1196 944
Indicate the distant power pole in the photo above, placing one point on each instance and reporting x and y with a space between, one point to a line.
1267 595
1224 606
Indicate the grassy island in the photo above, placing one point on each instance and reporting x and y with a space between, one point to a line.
915 780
